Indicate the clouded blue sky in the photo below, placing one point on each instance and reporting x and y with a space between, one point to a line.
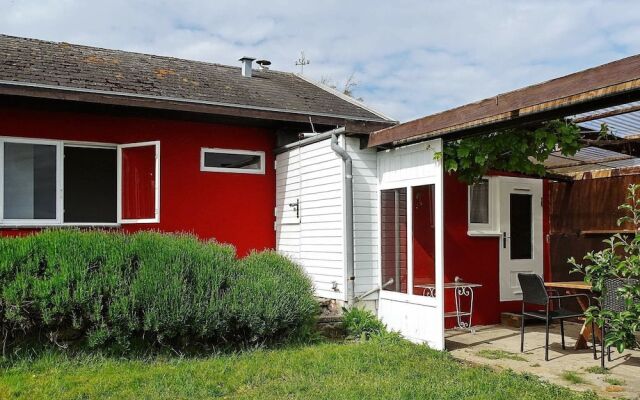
410 58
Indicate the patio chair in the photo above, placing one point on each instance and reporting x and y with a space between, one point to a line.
535 293
612 301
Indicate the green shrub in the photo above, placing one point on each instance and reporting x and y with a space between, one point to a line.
271 297
361 323
108 288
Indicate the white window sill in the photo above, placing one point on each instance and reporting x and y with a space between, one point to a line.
53 225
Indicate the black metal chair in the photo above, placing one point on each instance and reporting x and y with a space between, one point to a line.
535 293
612 301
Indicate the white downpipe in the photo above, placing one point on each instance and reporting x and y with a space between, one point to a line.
348 195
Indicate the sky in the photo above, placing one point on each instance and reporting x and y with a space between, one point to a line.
408 58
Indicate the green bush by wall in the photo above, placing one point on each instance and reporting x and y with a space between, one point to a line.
106 288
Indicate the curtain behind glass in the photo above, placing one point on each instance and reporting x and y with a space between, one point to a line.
29 181
394 239
479 202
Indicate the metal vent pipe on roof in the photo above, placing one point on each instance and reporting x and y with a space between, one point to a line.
247 67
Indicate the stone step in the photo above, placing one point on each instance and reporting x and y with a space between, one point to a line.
330 326
510 319
513 320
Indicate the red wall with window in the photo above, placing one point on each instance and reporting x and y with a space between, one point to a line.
476 259
230 207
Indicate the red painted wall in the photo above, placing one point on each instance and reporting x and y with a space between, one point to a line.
232 208
476 259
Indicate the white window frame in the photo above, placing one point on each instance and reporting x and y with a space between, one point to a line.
410 297
59 220
218 150
59 183
492 228
156 217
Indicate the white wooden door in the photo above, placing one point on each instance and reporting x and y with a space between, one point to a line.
521 246
288 183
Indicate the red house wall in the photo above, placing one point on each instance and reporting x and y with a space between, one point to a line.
476 259
232 208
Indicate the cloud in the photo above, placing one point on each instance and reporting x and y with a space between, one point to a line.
410 58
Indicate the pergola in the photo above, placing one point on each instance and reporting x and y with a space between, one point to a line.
608 94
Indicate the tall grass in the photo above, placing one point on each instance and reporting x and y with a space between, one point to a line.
107 288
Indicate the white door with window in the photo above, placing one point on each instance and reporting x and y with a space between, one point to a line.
521 239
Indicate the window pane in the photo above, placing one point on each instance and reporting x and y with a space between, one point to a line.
90 183
29 181
139 182
394 239
521 226
229 160
479 202
424 238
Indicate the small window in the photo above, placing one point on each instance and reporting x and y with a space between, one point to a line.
234 161
483 211
479 202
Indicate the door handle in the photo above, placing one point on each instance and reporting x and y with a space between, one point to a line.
296 207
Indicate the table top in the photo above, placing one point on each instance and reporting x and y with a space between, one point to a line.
580 285
450 285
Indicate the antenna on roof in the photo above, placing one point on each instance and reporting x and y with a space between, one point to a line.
302 61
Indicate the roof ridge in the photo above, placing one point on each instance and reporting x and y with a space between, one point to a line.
344 97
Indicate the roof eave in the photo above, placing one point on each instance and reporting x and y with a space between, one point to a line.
51 92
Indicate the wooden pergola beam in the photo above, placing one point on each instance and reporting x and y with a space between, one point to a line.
614 83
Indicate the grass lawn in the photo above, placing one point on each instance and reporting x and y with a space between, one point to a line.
370 370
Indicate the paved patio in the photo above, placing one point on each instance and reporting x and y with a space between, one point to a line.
565 367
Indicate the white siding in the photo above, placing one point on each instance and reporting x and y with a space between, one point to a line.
313 175
365 210
408 164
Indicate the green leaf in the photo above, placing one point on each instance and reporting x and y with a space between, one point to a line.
463 152
510 150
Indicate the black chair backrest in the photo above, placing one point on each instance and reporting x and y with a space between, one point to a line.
533 290
611 298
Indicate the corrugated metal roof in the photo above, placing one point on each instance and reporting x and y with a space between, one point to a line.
589 159
625 124
621 125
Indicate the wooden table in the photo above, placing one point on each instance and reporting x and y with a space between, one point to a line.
573 287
